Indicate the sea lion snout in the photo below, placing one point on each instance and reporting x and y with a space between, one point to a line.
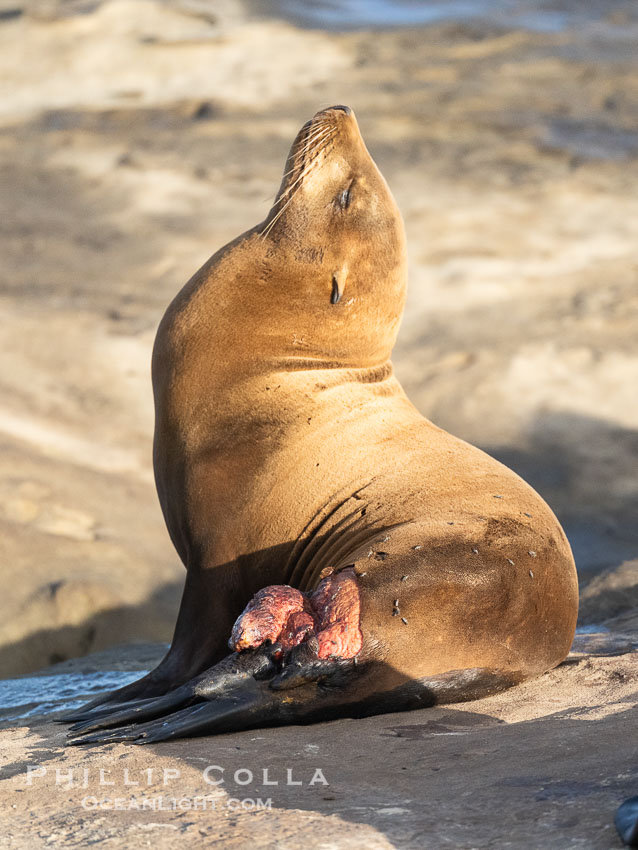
342 122
328 112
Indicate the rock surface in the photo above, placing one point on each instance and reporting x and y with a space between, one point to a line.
543 765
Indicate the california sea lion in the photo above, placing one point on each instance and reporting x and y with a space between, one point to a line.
390 565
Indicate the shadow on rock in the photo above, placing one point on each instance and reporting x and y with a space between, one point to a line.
98 630
445 776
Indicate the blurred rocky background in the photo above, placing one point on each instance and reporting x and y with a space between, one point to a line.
138 136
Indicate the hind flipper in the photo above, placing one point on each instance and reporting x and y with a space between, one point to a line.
214 682
135 711
228 699
250 702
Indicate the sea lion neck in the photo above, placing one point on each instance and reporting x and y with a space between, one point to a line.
288 321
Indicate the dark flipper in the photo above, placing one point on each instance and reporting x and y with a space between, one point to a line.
251 704
230 670
198 643
106 703
135 711
242 691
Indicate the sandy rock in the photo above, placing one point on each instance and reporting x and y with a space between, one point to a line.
545 765
60 619
150 53
67 522
50 518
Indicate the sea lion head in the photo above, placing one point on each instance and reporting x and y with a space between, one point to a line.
334 249
320 282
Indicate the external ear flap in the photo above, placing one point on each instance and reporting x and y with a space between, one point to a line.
338 284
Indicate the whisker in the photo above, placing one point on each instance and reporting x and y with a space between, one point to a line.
302 174
307 144
315 145
316 141
274 220
316 131
312 140
272 223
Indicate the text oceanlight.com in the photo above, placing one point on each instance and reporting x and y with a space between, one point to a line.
161 803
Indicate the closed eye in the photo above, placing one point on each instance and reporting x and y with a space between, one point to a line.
344 197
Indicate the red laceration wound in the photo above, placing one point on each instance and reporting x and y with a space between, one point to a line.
299 625
284 615
337 606
266 615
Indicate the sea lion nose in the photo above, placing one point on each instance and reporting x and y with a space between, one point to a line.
345 109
